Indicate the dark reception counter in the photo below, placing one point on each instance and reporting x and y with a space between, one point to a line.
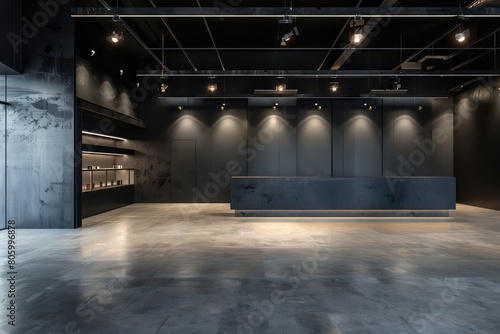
369 196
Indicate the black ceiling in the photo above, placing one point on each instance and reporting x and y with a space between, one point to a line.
253 44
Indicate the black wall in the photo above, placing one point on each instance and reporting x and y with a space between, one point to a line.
477 146
187 155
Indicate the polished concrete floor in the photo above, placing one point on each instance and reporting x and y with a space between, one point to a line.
163 268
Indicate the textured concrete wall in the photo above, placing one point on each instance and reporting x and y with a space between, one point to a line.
40 122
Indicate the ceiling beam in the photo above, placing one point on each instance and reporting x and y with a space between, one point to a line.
278 12
321 74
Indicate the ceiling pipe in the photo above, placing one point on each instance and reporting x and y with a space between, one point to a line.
478 3
475 4
175 38
320 74
461 86
468 61
105 4
212 38
277 12
469 47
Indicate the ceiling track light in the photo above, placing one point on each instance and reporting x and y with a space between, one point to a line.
357 25
212 86
280 84
462 36
115 37
334 87
288 36
92 53
163 85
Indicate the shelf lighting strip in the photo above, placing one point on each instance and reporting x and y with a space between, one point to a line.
99 153
101 135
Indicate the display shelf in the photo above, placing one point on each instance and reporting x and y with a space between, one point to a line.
105 150
105 178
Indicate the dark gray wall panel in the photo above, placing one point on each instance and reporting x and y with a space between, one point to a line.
287 140
102 89
314 193
362 139
442 137
418 138
263 141
229 136
272 141
337 138
477 138
183 170
314 140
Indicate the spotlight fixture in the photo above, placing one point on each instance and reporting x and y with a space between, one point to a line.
358 36
462 36
115 37
288 36
138 84
334 86
365 104
319 107
357 25
276 104
274 107
179 107
120 72
212 86
419 108
163 85
223 106
370 108
115 30
281 87
92 53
